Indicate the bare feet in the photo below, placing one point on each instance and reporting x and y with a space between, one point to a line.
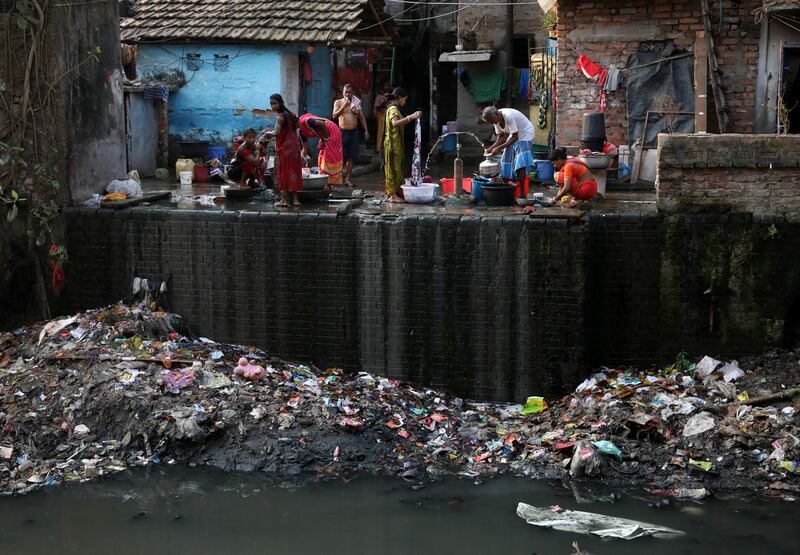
282 203
395 198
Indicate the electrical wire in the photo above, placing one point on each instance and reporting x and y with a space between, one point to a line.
487 5
461 9
390 18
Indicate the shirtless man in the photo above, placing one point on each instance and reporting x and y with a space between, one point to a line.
349 113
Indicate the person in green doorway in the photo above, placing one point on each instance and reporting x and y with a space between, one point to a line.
393 151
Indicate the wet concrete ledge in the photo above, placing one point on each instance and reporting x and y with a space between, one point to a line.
489 306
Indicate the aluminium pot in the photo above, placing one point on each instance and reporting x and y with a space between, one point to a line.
489 167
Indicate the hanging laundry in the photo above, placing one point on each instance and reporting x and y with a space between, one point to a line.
596 73
487 87
524 83
613 79
515 77
591 70
156 92
416 166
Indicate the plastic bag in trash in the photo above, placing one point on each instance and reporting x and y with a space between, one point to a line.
131 186
582 522
698 424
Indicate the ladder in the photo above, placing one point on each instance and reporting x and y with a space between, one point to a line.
716 86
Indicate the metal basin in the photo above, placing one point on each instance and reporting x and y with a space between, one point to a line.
314 182
596 161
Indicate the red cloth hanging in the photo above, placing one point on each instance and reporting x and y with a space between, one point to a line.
596 73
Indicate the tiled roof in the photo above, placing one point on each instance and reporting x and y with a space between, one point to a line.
781 5
246 20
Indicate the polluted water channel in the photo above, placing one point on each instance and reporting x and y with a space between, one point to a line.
179 511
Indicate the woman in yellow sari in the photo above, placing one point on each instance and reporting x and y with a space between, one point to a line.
393 151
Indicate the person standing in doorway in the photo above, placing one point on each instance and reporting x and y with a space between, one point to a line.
515 138
379 108
348 111
393 150
287 146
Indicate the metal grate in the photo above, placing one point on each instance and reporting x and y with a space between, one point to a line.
221 62
7 6
193 62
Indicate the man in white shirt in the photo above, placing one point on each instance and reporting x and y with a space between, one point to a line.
515 138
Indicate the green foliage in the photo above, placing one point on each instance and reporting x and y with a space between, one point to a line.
772 231
549 20
42 230
28 15
45 177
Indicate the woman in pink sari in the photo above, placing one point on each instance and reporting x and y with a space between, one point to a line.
330 145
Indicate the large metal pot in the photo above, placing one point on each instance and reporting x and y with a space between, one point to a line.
489 167
314 181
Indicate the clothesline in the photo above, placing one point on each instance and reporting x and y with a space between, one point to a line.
685 54
658 61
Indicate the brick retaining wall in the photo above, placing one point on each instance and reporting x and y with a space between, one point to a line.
488 307
756 174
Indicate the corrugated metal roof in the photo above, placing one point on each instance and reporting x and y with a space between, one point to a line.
245 20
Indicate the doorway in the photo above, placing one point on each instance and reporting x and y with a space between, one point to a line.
789 109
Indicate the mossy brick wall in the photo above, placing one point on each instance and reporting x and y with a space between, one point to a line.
609 32
703 283
754 174
490 308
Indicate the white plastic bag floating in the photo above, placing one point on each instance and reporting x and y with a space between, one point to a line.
132 186
581 522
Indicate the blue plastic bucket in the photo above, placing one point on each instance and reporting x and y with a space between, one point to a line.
544 170
477 189
217 152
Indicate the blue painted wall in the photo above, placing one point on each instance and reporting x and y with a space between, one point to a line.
215 105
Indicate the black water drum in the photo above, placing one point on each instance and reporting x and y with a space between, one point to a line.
594 126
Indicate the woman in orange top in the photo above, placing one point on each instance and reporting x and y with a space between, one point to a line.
573 177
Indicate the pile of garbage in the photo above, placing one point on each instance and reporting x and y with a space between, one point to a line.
124 386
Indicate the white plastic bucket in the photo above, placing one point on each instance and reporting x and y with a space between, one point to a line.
186 178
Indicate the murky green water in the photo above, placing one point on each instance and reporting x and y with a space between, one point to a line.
182 511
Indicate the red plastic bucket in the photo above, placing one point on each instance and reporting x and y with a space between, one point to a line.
201 174
449 185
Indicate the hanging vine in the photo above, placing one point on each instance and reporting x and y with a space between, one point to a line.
34 89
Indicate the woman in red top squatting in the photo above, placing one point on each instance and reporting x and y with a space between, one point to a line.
573 177
249 162
287 144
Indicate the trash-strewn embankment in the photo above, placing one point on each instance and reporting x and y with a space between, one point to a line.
121 386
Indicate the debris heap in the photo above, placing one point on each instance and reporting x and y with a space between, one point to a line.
124 386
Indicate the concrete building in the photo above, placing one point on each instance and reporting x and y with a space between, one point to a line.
507 36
